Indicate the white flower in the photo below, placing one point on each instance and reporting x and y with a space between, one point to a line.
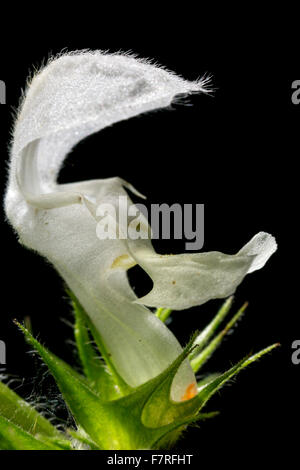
74 96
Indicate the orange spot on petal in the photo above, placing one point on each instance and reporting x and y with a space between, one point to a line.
191 392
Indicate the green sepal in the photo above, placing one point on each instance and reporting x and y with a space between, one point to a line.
213 386
209 415
102 376
147 418
202 357
95 370
206 380
203 338
198 402
166 411
111 425
116 424
84 403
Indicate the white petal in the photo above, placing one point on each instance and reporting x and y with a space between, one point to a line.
260 248
183 281
73 97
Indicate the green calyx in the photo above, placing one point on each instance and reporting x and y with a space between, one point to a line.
108 413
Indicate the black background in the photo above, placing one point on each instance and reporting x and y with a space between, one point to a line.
234 151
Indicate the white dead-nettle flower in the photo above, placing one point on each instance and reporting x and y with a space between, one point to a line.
72 97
